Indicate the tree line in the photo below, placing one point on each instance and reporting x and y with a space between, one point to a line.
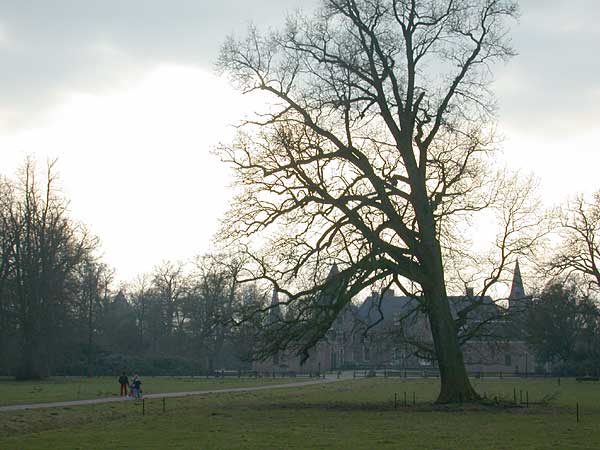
61 312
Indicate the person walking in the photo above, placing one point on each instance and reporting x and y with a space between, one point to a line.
137 386
124 382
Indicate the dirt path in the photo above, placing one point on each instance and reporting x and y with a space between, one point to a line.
98 401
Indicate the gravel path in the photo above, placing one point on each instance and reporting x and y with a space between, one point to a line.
98 401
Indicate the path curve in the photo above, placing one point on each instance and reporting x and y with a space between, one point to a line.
97 401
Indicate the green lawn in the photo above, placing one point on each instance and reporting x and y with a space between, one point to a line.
345 415
355 414
81 388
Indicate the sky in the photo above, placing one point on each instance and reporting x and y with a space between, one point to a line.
124 94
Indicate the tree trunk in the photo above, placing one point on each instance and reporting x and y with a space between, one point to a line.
455 384
29 366
90 345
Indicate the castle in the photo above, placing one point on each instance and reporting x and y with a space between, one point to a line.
383 332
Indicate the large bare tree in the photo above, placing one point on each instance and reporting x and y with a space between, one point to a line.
375 141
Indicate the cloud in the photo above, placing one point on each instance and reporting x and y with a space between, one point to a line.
552 86
49 49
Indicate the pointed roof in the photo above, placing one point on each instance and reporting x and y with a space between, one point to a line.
333 272
332 286
275 314
517 291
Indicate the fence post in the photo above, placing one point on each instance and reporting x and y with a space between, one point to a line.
395 400
527 399
404 398
515 395
414 398
577 408
164 408
143 407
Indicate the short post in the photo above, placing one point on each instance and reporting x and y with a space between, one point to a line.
405 398
414 398
515 395
520 396
395 400
577 411
164 404
527 399
558 381
143 407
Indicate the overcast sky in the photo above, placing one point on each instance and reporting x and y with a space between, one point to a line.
123 93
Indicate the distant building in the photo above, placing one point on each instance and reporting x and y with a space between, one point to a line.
387 331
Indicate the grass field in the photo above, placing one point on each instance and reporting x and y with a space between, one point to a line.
82 388
354 414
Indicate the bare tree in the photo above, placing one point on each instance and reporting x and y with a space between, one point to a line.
139 290
212 304
375 141
94 280
170 283
579 252
46 249
8 312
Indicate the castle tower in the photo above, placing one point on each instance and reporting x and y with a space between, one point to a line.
333 272
275 314
329 294
517 291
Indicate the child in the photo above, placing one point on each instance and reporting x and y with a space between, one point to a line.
137 383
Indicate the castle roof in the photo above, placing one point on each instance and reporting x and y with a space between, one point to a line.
275 314
391 306
517 291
